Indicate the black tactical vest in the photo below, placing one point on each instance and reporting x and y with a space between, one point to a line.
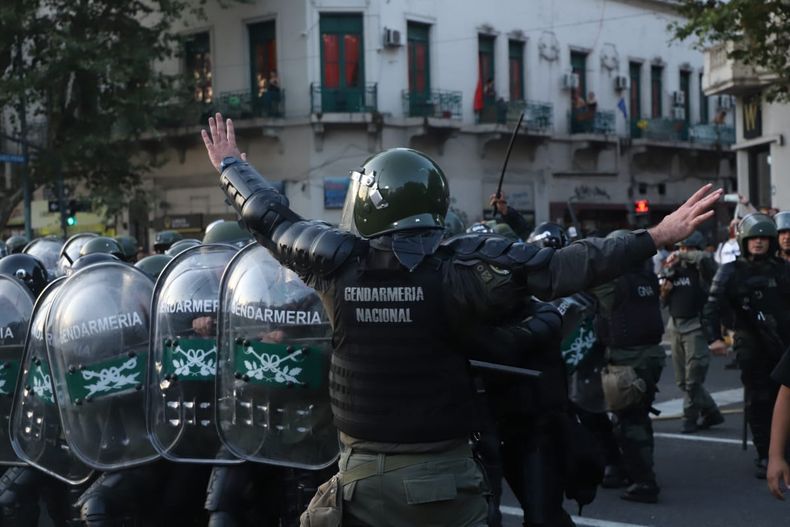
761 293
396 375
635 319
687 296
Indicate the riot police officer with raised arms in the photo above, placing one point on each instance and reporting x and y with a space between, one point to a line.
756 288
401 303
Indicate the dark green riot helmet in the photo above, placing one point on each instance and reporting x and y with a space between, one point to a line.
102 244
227 232
697 239
757 225
153 265
15 244
396 190
453 224
128 246
27 269
782 221
164 239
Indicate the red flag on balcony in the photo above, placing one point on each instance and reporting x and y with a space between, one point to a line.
478 103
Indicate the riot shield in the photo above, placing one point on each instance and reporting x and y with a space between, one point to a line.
272 372
71 250
181 378
99 323
36 432
16 308
48 251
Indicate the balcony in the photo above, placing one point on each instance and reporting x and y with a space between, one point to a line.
244 105
585 121
712 134
346 100
661 130
724 75
437 104
538 116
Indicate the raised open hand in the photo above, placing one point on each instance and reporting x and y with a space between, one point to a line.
221 143
685 219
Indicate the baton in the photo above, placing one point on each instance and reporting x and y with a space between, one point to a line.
501 368
507 158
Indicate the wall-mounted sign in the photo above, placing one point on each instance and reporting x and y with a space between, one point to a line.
335 189
752 116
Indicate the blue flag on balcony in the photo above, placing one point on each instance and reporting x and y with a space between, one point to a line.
622 108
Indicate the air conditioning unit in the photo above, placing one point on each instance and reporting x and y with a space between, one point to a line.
679 98
570 81
621 82
679 114
391 38
725 102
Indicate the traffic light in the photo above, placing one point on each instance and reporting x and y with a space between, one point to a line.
641 206
71 213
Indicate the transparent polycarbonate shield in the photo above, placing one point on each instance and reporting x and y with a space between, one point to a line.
36 432
272 374
16 308
99 323
47 250
71 250
180 394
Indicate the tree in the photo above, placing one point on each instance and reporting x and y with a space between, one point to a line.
759 30
81 71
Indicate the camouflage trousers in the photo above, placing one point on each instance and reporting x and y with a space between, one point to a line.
690 359
441 489
633 428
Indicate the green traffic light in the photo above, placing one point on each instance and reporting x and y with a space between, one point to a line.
71 221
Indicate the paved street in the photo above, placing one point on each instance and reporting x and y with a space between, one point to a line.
706 479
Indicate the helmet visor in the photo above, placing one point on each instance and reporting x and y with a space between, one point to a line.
347 222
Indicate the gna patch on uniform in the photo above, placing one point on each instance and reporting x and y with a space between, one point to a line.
101 325
277 316
196 305
683 281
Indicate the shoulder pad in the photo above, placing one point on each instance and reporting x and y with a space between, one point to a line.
497 250
314 246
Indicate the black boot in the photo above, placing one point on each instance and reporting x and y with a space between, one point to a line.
645 492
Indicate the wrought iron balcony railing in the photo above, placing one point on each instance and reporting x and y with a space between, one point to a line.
440 104
587 121
711 134
345 100
538 116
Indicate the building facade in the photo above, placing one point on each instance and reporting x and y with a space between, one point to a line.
613 111
762 156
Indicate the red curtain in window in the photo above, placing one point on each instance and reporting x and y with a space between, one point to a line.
351 56
419 81
516 90
331 61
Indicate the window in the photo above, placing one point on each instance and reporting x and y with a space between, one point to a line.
685 88
635 102
656 91
703 104
263 57
579 68
516 62
419 59
197 58
485 55
342 63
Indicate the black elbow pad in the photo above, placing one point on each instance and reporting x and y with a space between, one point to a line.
315 247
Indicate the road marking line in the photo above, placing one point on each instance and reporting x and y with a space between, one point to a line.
674 407
580 521
705 439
